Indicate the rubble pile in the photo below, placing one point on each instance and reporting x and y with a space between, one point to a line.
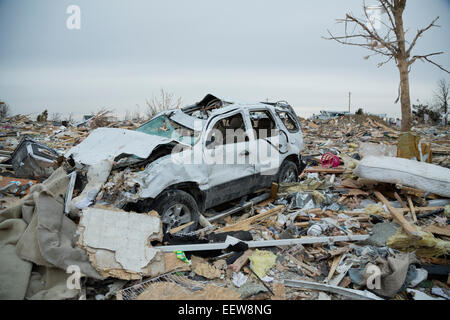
367 220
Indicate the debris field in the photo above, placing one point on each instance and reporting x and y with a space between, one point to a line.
368 219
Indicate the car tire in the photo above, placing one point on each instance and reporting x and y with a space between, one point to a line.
288 172
177 207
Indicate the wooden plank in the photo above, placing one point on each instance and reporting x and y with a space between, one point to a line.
413 211
416 192
177 229
279 291
423 209
245 224
399 199
241 261
273 191
409 229
325 170
443 231
334 265
403 210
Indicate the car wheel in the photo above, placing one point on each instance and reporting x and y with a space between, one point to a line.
288 172
177 207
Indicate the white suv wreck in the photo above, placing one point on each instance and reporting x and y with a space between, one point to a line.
196 157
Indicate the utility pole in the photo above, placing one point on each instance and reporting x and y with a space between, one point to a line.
349 101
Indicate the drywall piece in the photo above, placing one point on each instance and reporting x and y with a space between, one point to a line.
419 175
97 175
263 243
69 193
119 243
350 293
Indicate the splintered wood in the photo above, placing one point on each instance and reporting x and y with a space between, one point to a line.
245 225
398 216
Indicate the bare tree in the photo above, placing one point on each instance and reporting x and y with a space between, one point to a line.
388 40
164 102
441 96
127 116
137 114
69 119
56 116
4 110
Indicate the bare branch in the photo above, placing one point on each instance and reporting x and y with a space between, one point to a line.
419 34
374 35
369 45
426 58
384 62
385 4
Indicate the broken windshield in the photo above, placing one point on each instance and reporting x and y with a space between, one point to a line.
163 126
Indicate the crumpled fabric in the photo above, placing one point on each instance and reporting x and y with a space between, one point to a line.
49 284
36 231
393 273
14 272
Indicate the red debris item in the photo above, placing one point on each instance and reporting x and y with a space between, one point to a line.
15 186
329 160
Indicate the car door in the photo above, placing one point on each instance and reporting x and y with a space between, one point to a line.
267 145
231 173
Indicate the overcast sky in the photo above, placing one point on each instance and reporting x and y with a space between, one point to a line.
248 50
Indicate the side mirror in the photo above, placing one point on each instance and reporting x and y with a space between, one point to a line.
210 140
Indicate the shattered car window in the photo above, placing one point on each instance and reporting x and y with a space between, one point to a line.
263 124
164 127
286 118
227 131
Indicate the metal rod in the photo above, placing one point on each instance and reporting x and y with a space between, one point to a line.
350 293
253 201
262 243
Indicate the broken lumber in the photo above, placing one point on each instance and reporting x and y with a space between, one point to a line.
244 225
442 231
416 192
325 170
241 261
177 229
411 206
409 229
399 199
334 265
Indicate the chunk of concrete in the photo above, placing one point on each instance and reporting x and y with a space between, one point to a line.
381 232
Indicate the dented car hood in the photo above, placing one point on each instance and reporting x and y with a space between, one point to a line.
110 143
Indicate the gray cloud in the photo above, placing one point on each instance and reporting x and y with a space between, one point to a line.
249 50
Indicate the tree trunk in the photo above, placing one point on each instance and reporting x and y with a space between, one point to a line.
402 64
405 95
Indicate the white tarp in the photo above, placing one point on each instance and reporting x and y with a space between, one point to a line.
108 143
420 175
